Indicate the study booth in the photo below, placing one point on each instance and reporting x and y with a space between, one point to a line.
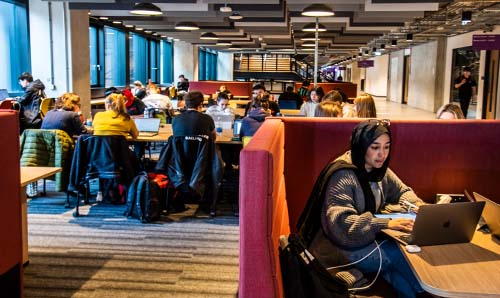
431 156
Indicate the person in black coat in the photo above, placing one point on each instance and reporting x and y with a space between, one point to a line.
29 113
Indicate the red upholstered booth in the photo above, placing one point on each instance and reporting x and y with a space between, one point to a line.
211 87
349 89
279 166
11 272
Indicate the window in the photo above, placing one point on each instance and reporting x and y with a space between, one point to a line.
114 57
154 58
96 56
14 44
207 65
138 58
167 66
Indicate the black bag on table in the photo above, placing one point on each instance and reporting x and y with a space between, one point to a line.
146 197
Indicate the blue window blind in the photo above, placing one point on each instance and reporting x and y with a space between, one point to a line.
14 45
138 58
94 56
167 66
114 57
202 65
154 61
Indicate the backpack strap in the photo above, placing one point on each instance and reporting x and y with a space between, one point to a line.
310 219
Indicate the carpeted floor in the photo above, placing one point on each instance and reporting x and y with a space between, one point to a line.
104 254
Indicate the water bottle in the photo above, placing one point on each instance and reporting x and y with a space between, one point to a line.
218 125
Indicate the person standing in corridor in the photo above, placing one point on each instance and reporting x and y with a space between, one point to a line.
466 86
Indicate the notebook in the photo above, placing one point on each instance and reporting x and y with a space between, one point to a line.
438 224
491 214
147 127
4 94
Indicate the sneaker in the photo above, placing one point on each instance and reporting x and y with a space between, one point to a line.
32 190
99 197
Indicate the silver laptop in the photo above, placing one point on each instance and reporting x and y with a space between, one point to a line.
147 127
224 120
437 224
4 94
491 214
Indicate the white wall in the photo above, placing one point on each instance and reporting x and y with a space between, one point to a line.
377 76
224 66
42 65
396 72
421 84
185 61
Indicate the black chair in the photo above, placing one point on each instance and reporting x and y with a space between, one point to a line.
193 165
106 157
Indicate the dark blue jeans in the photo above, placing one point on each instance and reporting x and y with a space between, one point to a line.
395 268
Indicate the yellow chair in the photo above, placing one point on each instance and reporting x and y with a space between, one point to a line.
46 105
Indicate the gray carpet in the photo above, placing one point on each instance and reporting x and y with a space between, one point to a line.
103 254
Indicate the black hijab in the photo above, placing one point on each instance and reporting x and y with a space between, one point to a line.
363 135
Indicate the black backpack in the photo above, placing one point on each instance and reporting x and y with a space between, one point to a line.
303 275
144 198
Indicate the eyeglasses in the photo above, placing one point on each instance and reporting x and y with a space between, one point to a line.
383 122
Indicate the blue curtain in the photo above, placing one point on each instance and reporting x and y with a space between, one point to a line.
167 69
94 56
114 57
138 58
154 58
14 45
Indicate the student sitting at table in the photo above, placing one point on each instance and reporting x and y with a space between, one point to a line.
192 121
115 120
65 115
259 110
359 186
157 100
134 105
450 111
364 106
309 106
328 109
222 107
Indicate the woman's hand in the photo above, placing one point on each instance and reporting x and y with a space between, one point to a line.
401 224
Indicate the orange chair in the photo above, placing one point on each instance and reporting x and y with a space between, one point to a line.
6 104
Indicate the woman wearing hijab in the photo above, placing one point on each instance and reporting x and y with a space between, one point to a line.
361 186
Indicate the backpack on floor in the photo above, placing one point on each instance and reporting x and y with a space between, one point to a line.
145 198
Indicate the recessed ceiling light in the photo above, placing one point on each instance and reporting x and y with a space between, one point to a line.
223 43
176 39
186 26
148 31
129 26
139 29
317 10
409 37
146 9
163 36
466 17
117 22
394 42
103 18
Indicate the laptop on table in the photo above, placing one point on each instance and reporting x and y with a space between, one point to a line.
4 94
437 224
491 214
147 127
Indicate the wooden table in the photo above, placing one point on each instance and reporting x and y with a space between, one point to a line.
459 270
29 175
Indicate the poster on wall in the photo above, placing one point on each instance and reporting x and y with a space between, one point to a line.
366 63
486 42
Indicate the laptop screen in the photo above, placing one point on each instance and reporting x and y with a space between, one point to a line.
3 94
236 127
147 124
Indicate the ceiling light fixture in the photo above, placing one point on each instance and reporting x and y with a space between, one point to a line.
117 22
309 37
186 26
235 16
225 8
223 43
466 17
382 47
311 27
129 26
103 18
317 10
146 9
394 42
409 37
309 44
209 36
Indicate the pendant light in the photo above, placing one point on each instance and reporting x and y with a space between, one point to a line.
209 36
235 16
317 10
186 26
146 9
311 27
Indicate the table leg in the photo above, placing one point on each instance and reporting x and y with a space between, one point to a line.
24 224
